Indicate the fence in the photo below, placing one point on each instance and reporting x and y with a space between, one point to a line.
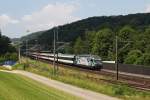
135 69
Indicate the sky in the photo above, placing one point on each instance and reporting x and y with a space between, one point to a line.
21 17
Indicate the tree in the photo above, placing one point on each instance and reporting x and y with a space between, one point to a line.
144 59
88 42
103 43
147 39
126 33
68 49
133 56
4 45
125 42
6 49
79 47
142 41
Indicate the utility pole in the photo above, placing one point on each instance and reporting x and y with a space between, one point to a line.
26 47
26 54
0 32
37 49
27 44
57 47
19 54
54 52
117 73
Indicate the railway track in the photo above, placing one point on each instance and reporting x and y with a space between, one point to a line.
132 81
124 79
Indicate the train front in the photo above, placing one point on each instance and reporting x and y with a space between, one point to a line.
97 62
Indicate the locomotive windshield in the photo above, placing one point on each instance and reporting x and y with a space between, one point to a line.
96 57
97 61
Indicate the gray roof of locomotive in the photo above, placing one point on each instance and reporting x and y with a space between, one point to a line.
90 56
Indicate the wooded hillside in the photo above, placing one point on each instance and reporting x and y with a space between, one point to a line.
96 35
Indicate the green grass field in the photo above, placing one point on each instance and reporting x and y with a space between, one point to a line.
78 78
16 87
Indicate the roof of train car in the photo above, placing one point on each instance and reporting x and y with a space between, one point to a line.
71 55
66 55
59 54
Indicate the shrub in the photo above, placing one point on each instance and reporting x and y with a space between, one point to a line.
133 56
118 91
8 56
144 60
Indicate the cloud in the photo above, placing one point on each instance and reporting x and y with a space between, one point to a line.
49 16
5 20
45 18
147 9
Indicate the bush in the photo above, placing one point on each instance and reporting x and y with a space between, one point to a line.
2 59
19 66
133 56
118 91
8 56
123 90
131 59
144 60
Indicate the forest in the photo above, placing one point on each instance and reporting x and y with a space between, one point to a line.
97 35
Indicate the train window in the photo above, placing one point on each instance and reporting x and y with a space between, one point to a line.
97 61
92 60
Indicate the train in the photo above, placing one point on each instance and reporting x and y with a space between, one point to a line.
85 61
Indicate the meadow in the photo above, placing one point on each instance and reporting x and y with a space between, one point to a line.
17 87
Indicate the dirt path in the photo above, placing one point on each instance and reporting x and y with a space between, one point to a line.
83 93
